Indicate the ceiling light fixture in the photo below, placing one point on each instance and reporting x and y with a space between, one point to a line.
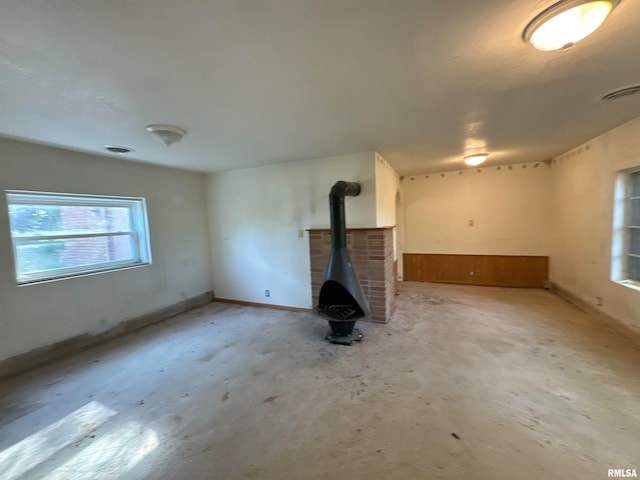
567 22
167 134
475 159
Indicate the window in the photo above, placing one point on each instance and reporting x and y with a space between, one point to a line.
626 238
633 226
62 235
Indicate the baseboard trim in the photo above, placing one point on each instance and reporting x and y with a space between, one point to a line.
579 303
41 356
262 305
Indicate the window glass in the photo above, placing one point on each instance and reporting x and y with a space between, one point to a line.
634 212
635 184
633 267
29 220
634 241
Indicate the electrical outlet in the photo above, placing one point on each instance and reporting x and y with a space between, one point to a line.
599 301
300 233
267 293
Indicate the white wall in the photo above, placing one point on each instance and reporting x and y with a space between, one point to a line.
256 216
36 315
508 207
387 186
584 181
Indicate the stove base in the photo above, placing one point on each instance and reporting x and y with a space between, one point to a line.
355 336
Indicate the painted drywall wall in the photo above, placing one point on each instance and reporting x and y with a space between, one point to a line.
387 186
584 181
37 315
258 219
490 210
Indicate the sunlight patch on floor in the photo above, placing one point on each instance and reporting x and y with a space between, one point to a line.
110 456
35 449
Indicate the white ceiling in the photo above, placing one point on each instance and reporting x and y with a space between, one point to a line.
256 82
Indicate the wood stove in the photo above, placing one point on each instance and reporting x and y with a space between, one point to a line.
341 297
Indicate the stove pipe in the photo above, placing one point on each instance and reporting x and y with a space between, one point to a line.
341 296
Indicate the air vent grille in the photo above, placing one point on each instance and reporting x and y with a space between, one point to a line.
118 149
620 93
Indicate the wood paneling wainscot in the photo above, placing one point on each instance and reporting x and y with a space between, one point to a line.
488 270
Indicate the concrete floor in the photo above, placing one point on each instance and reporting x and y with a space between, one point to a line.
532 388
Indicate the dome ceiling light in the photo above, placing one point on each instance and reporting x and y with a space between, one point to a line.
475 159
567 22
167 134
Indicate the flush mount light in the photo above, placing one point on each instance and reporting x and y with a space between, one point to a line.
167 134
475 159
566 23
117 149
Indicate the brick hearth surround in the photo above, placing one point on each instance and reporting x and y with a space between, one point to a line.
371 251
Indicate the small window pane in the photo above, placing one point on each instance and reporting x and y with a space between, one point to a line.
634 241
634 178
634 213
39 256
42 255
633 269
47 220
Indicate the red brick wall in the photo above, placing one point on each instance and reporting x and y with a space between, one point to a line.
86 251
371 250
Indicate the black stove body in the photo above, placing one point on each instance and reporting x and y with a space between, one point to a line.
341 297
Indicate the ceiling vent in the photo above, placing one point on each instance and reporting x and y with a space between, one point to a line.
620 93
117 149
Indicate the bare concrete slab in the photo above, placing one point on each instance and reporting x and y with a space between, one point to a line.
465 382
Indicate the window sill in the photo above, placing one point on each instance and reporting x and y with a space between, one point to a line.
630 284
80 274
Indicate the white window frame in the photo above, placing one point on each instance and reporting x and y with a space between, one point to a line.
621 229
139 232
